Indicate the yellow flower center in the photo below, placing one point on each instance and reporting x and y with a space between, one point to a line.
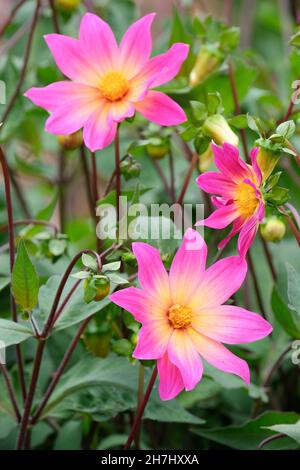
114 86
246 200
180 316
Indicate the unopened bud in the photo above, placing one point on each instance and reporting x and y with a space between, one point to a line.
208 60
129 258
219 130
267 160
67 5
157 152
102 284
205 159
71 141
273 230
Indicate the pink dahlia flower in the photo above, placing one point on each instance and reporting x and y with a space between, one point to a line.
108 82
183 319
237 195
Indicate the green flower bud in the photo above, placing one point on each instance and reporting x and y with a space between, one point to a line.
273 230
205 159
267 160
129 259
208 60
218 129
67 5
102 284
70 142
157 152
97 343
130 168
122 347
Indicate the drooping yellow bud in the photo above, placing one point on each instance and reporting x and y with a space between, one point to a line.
218 129
207 61
70 142
67 5
273 230
267 160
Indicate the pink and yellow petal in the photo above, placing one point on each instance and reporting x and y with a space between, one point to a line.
120 110
229 163
170 380
99 43
153 339
220 357
143 306
72 59
188 267
220 281
159 108
99 131
136 46
231 325
221 217
216 183
183 354
152 274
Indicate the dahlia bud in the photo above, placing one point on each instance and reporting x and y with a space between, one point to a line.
267 160
218 129
273 230
102 284
71 141
157 152
205 159
207 61
67 5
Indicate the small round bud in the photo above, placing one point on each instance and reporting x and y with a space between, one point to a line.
102 285
71 141
129 259
273 230
157 152
67 5
218 129
267 160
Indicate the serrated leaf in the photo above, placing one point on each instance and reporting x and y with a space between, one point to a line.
25 281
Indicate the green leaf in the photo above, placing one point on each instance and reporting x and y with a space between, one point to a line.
69 436
7 424
291 430
293 288
286 129
111 266
254 123
239 122
230 38
25 281
284 315
214 103
278 196
295 39
57 247
109 387
4 282
46 212
89 262
13 333
199 110
248 435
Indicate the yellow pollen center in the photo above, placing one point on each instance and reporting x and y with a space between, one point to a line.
180 316
114 86
246 200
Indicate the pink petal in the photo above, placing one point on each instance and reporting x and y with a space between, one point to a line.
221 280
140 304
120 110
72 59
153 340
170 380
230 324
257 170
183 354
229 163
60 93
187 267
98 42
165 66
159 108
220 357
151 272
221 217
249 230
136 45
236 227
216 183
99 131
